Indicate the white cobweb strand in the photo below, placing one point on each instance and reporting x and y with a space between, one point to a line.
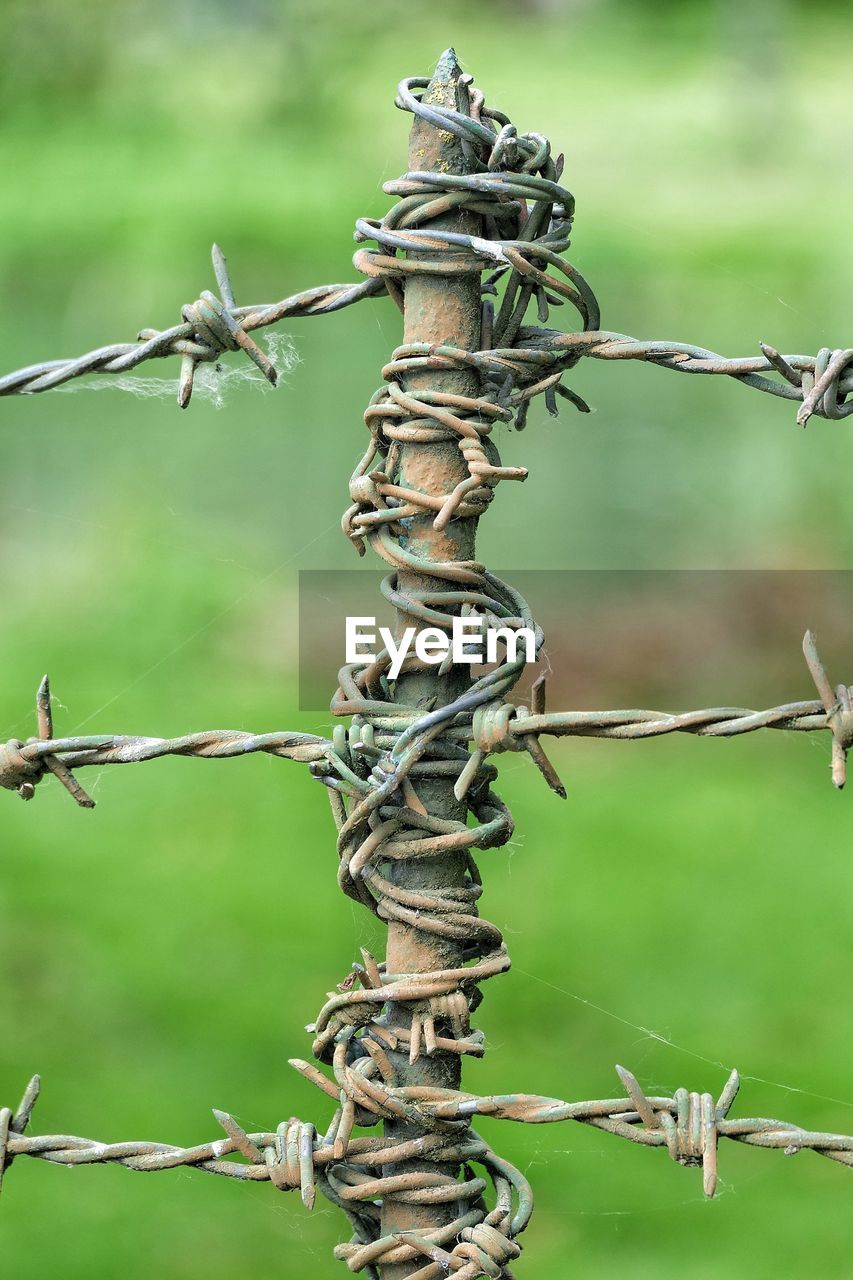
212 383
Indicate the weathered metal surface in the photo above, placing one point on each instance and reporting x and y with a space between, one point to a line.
438 310
689 1125
535 356
23 764
411 801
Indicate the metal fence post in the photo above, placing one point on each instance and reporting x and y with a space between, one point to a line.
437 311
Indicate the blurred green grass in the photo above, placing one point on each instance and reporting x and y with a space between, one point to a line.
160 956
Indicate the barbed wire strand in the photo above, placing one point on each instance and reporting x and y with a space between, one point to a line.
23 764
688 1124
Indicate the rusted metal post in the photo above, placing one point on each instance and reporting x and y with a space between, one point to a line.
439 309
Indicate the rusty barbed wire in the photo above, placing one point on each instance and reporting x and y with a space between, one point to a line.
24 763
215 325
377 769
211 326
297 1157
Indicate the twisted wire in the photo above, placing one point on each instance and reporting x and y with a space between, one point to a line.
526 217
373 769
375 731
352 1174
513 171
499 727
210 327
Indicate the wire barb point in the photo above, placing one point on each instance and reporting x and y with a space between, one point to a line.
238 1136
838 705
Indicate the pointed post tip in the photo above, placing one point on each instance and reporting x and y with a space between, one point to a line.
447 67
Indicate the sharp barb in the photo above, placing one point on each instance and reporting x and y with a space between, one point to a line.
538 694
818 671
44 715
709 1146
238 1136
727 1097
635 1093
185 383
5 1129
306 1166
69 782
256 355
544 765
223 279
839 764
28 1101
781 365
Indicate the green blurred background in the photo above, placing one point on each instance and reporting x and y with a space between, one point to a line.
691 905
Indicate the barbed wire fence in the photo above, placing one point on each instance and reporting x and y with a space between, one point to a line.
474 240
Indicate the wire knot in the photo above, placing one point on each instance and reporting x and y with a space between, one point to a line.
490 727
490 732
840 719
291 1159
216 329
363 490
12 1125
23 764
693 1130
452 1008
17 773
485 1248
825 391
481 1250
213 323
688 1122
